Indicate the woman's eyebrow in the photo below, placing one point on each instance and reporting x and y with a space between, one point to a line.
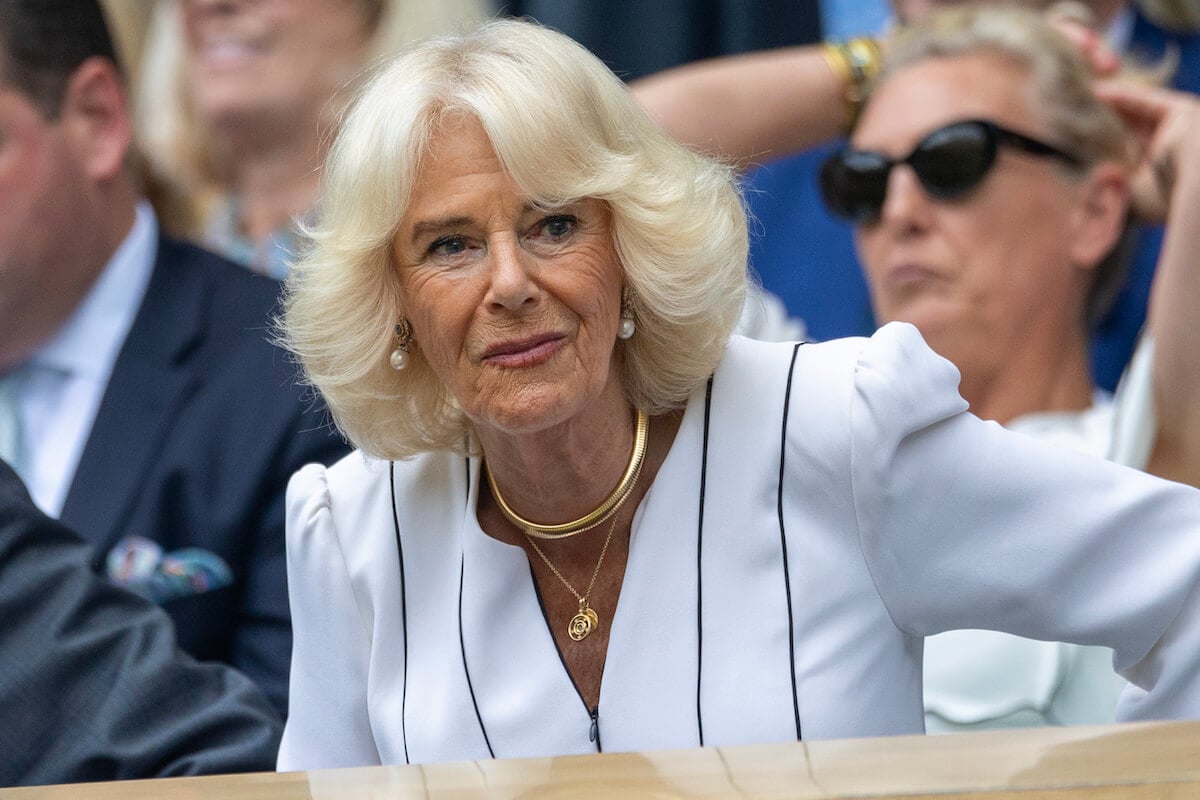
431 226
428 227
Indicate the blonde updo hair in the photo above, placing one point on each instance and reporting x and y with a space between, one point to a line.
1061 95
565 128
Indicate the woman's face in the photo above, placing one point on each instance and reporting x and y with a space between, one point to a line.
977 273
271 61
515 308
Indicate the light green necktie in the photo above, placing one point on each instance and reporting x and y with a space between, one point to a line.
11 442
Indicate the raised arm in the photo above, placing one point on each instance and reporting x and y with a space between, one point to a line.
965 524
751 107
1168 185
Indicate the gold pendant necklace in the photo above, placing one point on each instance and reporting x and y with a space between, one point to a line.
607 509
587 620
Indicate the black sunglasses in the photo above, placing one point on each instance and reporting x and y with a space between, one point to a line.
949 163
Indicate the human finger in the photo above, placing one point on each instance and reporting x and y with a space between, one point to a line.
1100 57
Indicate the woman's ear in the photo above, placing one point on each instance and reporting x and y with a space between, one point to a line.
95 118
1102 214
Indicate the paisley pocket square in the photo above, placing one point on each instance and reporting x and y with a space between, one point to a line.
140 565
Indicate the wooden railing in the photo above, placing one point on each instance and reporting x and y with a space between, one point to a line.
1155 760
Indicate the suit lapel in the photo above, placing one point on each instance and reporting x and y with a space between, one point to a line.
154 373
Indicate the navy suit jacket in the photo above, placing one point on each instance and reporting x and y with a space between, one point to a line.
92 686
200 427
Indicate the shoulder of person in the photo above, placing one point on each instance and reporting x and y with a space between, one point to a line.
364 497
239 296
752 356
358 480
893 367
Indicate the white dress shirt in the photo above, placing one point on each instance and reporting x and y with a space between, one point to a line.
66 378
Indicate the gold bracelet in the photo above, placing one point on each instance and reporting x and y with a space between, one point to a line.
856 62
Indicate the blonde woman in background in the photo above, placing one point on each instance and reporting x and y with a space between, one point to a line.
238 101
128 20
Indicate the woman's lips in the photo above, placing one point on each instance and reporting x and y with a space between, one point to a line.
529 352
907 276
226 50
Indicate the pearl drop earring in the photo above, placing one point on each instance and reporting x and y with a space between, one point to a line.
404 337
628 326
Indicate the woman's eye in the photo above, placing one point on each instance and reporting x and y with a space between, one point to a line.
559 225
448 246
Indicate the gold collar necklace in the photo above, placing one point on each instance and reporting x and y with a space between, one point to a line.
606 510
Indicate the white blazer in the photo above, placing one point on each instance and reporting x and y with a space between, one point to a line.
822 509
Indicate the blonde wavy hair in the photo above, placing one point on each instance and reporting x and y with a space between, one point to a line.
564 128
1061 94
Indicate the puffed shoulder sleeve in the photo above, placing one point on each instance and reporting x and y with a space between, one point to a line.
964 524
328 724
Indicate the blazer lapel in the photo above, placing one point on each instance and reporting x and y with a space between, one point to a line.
153 374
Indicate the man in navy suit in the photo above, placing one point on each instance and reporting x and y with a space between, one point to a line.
154 415
92 685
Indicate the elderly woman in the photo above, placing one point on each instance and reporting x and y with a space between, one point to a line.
586 518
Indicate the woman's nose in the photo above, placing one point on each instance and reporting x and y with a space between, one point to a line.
512 286
906 202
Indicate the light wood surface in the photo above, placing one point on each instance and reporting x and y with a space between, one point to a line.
1159 760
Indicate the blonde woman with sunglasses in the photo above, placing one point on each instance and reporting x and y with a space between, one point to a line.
989 189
